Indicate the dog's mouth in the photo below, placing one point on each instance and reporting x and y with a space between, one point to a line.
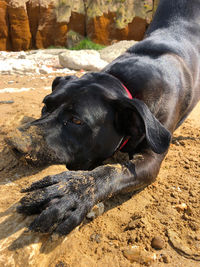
29 146
23 153
25 157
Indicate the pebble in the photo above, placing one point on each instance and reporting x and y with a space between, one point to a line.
187 166
166 258
45 70
95 237
157 243
61 264
6 102
181 207
139 255
178 189
96 211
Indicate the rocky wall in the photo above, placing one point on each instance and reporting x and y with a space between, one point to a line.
30 24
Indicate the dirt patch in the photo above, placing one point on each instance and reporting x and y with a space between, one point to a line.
168 211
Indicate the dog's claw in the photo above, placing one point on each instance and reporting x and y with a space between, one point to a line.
45 182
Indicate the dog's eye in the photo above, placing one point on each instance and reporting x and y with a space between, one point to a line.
76 121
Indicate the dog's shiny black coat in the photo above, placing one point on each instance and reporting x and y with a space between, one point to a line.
85 120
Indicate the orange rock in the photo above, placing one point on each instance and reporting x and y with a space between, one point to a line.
77 23
4 44
103 29
136 29
50 32
98 28
20 34
33 11
30 24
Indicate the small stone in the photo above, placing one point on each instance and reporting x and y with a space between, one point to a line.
95 237
139 255
54 237
96 211
187 166
173 194
166 258
61 264
182 143
45 70
6 102
22 55
181 207
157 243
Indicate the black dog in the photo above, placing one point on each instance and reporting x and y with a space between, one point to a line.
134 104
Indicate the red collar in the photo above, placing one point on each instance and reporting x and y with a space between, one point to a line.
127 91
131 97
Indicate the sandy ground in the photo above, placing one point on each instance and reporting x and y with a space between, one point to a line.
168 210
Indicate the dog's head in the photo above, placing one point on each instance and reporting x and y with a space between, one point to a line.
85 120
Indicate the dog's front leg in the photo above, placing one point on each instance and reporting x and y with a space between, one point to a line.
63 200
133 175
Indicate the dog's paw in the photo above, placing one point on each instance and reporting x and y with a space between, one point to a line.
62 201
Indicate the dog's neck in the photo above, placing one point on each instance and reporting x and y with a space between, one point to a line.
125 140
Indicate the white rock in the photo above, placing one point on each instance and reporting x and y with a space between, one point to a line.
43 61
65 71
28 63
24 65
45 70
53 51
17 66
113 51
15 90
47 88
22 55
5 67
82 59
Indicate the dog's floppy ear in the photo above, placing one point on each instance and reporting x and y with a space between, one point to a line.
133 113
64 79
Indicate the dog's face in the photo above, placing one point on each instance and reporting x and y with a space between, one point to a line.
78 122
84 120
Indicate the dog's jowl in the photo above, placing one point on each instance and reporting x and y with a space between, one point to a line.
133 105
